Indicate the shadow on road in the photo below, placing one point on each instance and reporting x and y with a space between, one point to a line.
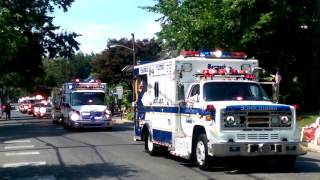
252 165
103 170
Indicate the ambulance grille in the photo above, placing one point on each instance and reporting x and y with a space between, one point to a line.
255 136
247 120
89 115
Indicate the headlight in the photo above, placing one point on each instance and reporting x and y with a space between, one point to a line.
229 121
74 116
43 110
284 119
36 109
107 113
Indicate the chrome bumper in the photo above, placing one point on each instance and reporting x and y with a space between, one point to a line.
91 124
256 149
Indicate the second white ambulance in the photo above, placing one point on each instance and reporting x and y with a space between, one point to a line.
210 104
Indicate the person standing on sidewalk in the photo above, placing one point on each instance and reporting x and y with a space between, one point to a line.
7 110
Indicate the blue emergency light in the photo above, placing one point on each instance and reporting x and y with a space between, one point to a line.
214 54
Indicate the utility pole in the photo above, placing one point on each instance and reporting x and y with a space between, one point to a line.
133 51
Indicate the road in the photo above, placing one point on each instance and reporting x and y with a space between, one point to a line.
37 149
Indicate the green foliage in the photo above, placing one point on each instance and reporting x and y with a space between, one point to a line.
27 34
280 33
60 70
108 65
130 115
306 118
125 102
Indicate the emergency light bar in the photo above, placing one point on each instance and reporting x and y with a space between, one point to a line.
226 73
88 81
214 54
87 86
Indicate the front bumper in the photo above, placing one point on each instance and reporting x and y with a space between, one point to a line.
256 149
91 124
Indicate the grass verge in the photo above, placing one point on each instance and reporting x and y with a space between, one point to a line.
306 118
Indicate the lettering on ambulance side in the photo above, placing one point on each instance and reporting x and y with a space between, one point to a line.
258 108
210 66
143 70
189 120
160 67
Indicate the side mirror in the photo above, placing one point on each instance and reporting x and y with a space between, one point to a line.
275 93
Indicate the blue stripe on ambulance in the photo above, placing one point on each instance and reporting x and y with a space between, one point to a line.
163 137
282 108
183 110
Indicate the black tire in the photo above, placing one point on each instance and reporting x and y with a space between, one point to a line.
201 152
65 125
54 121
108 128
149 146
286 162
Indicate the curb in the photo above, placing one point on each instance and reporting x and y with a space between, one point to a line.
119 120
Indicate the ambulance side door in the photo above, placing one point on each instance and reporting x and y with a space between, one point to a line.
190 112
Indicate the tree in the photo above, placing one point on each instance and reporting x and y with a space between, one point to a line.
60 70
108 64
277 32
27 34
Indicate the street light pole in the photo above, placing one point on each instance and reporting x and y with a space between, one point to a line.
133 51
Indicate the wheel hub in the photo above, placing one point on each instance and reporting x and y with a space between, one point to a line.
200 152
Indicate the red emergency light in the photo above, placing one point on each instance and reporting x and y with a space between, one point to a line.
187 53
214 54
227 73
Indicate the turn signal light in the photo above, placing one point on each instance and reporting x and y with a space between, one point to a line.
209 118
210 108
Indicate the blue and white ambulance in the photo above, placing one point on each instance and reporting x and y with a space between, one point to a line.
210 104
84 106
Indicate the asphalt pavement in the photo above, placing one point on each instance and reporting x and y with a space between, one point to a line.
37 149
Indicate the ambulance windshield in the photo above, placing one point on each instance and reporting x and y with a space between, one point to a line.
87 98
233 91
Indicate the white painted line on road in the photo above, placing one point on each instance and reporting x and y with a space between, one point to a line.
11 124
17 141
38 163
18 147
40 178
22 153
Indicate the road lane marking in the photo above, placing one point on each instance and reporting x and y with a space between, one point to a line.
18 147
37 163
22 153
17 141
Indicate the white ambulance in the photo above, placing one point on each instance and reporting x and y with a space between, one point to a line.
83 105
210 104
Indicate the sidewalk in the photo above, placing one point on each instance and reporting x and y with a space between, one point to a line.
117 119
313 148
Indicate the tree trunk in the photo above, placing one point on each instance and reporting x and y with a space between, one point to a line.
313 80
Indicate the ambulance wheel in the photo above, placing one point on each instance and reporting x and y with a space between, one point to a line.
201 152
66 125
150 147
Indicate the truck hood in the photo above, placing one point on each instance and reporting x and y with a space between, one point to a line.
89 108
254 104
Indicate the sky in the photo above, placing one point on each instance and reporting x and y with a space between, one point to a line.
100 20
